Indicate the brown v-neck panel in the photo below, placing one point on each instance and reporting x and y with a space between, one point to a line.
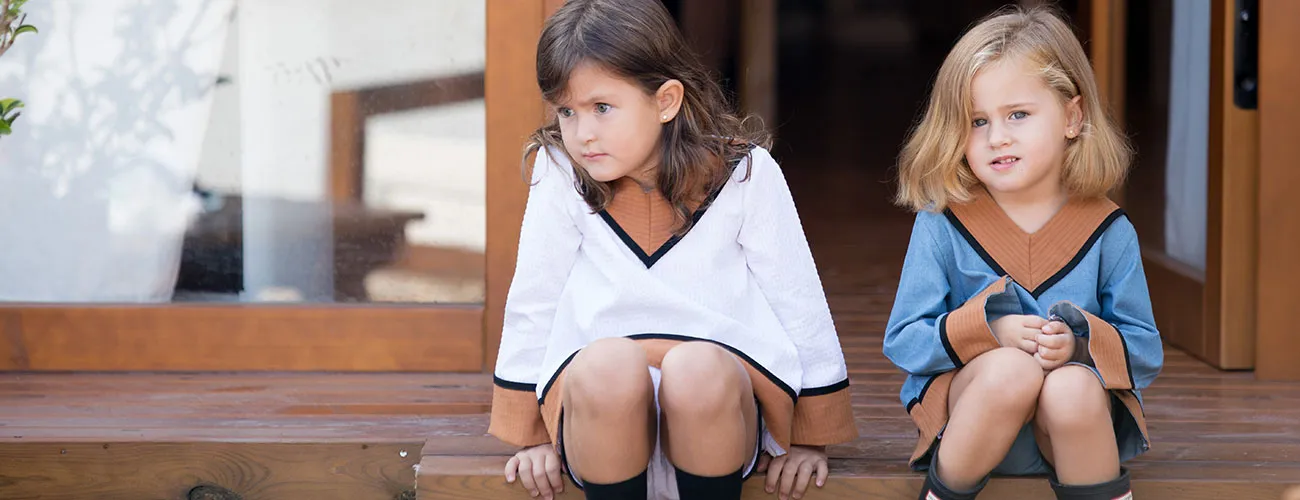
1033 259
646 217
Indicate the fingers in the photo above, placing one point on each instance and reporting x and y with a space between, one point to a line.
542 482
526 475
823 471
788 474
763 460
1056 327
805 474
774 472
1048 364
1028 344
1055 342
511 466
553 472
1035 322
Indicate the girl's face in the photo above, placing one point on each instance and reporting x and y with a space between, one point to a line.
611 127
1019 130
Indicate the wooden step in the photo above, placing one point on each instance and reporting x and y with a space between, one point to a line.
479 477
261 436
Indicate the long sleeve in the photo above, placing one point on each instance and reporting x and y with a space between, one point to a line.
779 259
1122 339
923 337
548 245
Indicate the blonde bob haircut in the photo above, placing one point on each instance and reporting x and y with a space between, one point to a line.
932 169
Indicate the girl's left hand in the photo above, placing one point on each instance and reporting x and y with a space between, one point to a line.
793 470
1055 345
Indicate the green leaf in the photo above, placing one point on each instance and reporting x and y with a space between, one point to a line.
7 105
26 28
4 128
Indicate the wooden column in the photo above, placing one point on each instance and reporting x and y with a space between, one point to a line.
514 110
1278 307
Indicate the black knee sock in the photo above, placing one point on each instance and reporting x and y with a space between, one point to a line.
632 489
693 487
934 489
1115 489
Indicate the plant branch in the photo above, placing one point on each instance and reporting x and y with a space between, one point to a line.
6 37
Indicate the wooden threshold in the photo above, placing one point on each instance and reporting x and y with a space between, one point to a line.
247 337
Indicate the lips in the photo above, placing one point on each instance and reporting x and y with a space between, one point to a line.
1004 162
593 156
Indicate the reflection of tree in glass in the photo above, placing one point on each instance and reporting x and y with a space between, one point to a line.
89 138
12 24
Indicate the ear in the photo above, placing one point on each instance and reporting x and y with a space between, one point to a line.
669 100
1074 117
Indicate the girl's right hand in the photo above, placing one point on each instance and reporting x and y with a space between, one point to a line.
1019 330
538 468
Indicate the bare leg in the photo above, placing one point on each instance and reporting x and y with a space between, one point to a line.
609 414
1074 416
709 417
989 401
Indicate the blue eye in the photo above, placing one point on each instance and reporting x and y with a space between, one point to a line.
564 112
979 122
603 108
1019 115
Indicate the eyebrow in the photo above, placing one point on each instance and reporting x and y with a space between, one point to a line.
1017 105
589 100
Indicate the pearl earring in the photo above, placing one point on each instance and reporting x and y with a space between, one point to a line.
664 117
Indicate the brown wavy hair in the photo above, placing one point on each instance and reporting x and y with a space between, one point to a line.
932 167
638 40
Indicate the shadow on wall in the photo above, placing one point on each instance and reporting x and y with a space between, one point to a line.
96 178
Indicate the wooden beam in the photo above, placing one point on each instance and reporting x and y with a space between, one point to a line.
254 471
1107 51
758 66
1232 211
249 337
349 110
514 110
1278 339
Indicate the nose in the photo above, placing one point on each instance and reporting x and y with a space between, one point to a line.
998 136
586 129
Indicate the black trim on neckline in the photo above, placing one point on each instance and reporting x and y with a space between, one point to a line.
650 259
514 386
826 389
1078 256
974 243
1055 278
947 346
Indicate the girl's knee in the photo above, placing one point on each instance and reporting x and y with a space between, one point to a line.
700 378
1073 399
1010 376
609 371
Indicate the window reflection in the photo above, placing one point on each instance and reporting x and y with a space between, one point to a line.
245 151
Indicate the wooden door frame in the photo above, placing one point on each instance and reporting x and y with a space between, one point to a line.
514 111
1210 314
321 337
1278 344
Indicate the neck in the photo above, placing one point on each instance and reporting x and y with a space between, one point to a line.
1032 209
644 180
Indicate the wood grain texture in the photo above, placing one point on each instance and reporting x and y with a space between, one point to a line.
477 477
1278 343
1232 235
167 471
514 110
252 337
